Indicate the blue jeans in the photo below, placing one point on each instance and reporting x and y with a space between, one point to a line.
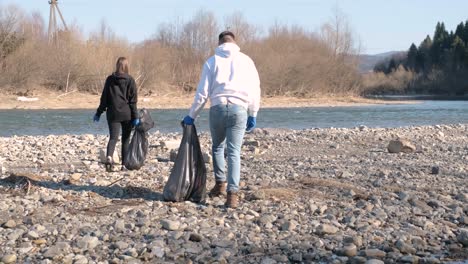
227 126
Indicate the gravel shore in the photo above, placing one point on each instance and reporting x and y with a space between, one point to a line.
308 196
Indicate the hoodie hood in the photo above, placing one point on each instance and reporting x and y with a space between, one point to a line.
226 50
120 75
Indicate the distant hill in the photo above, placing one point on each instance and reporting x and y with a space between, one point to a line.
367 62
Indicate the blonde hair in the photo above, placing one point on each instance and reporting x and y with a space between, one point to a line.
121 66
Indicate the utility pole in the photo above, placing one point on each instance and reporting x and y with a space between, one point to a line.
53 30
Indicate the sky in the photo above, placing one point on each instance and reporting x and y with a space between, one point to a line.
379 25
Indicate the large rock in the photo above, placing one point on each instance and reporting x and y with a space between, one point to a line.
102 155
400 145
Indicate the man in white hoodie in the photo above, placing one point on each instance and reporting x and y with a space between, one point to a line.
230 80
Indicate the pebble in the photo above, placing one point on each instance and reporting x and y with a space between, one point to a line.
9 224
374 261
58 249
88 242
121 245
32 235
405 248
119 226
463 237
40 241
170 225
7 259
349 251
374 253
409 259
195 237
327 229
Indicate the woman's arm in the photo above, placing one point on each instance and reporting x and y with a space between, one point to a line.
133 99
103 105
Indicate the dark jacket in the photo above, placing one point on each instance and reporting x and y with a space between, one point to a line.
119 98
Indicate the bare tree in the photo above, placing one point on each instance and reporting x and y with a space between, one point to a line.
10 35
338 36
245 32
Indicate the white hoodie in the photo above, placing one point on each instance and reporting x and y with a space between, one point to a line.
228 76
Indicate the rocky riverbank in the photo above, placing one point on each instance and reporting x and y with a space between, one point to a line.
310 196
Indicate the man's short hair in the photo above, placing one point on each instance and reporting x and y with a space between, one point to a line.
226 33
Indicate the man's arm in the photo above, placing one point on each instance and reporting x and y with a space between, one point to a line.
202 93
254 93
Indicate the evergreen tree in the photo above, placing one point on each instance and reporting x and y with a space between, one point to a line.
459 32
392 66
464 36
440 44
458 52
412 58
465 39
424 54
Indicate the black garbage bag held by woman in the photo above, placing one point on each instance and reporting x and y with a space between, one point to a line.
138 148
187 181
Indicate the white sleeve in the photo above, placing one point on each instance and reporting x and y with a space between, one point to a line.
254 93
202 93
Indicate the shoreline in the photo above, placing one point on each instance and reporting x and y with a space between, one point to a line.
76 100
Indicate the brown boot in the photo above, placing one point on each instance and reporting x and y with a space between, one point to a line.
218 190
232 200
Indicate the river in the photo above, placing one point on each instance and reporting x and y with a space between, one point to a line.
44 122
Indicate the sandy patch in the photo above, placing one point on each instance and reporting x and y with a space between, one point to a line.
77 100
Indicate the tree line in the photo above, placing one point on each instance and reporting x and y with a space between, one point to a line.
291 60
439 65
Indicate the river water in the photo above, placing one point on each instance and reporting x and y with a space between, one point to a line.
45 122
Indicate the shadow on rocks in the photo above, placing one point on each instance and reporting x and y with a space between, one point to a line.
111 192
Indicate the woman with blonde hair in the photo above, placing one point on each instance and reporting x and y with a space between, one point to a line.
119 101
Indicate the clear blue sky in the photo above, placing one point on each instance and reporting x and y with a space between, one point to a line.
381 25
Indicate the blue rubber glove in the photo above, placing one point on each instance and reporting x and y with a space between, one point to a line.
188 120
96 118
251 122
135 122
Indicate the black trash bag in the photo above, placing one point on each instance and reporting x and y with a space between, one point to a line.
188 176
138 147
137 150
146 122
